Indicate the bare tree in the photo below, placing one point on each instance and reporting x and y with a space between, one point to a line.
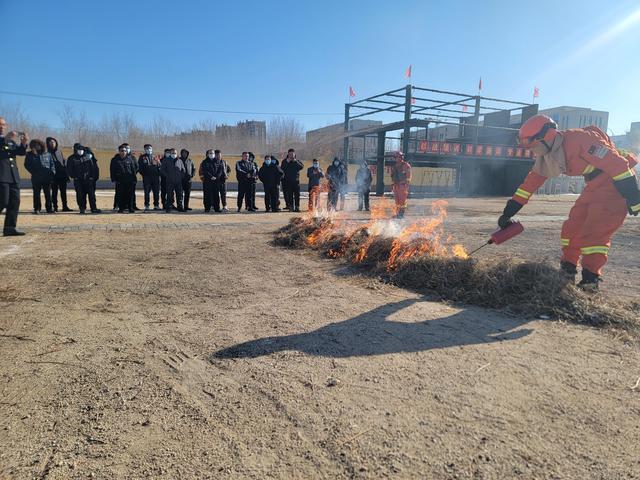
284 133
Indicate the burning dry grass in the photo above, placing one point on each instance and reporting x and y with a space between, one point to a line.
425 263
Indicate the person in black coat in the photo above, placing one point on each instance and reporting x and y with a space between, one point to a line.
40 164
213 173
123 171
245 173
61 178
252 182
189 172
149 168
270 175
10 176
291 167
82 166
315 175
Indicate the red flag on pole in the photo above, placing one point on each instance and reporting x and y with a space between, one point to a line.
413 100
407 73
352 92
536 92
480 84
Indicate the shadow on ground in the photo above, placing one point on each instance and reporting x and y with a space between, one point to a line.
371 333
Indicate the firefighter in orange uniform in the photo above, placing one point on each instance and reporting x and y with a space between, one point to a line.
611 191
401 177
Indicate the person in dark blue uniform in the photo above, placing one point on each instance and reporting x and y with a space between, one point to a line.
11 144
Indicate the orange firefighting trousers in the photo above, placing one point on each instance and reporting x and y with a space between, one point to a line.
400 195
314 198
597 214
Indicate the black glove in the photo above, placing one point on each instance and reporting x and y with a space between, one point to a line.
628 188
509 211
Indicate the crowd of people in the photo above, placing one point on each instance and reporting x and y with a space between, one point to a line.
167 179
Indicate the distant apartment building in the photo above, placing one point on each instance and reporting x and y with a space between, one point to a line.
577 117
251 132
630 140
329 141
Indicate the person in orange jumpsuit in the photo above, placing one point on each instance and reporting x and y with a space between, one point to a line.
611 191
401 177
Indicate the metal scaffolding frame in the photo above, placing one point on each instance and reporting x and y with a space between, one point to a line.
422 108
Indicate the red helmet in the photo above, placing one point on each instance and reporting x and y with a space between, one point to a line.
538 128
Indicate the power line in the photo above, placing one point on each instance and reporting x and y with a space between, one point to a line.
159 107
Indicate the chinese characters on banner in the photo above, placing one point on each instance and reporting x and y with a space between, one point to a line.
473 150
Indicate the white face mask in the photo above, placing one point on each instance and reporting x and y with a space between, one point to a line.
81 152
174 155
89 155
267 162
148 151
336 163
315 165
211 156
128 150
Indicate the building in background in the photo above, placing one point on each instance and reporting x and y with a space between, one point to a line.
251 133
630 140
577 117
327 142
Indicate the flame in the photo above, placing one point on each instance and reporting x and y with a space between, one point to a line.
425 236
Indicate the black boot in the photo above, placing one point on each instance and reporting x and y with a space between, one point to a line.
589 281
568 271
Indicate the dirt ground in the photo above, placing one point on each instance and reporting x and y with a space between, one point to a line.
186 346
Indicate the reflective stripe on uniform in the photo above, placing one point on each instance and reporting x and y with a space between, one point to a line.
588 170
595 249
523 193
564 242
635 208
626 174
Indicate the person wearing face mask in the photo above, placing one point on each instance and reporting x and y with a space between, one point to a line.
213 173
270 175
133 192
40 164
244 175
252 182
174 172
163 180
149 168
335 176
363 184
12 143
314 174
123 173
61 178
82 167
189 172
291 167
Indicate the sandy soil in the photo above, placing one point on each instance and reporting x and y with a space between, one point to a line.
173 352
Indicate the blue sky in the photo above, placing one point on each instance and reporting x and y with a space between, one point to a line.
300 56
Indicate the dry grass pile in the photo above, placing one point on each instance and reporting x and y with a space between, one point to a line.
525 288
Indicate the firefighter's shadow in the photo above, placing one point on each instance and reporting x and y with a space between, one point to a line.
373 333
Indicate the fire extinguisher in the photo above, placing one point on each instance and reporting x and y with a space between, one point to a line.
502 235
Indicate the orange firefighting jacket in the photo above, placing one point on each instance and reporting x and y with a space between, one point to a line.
401 172
587 151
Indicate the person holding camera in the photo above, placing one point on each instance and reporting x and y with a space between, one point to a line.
11 144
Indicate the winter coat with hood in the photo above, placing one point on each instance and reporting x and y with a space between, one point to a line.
363 178
336 175
58 158
189 166
82 167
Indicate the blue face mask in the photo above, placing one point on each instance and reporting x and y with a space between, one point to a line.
267 162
